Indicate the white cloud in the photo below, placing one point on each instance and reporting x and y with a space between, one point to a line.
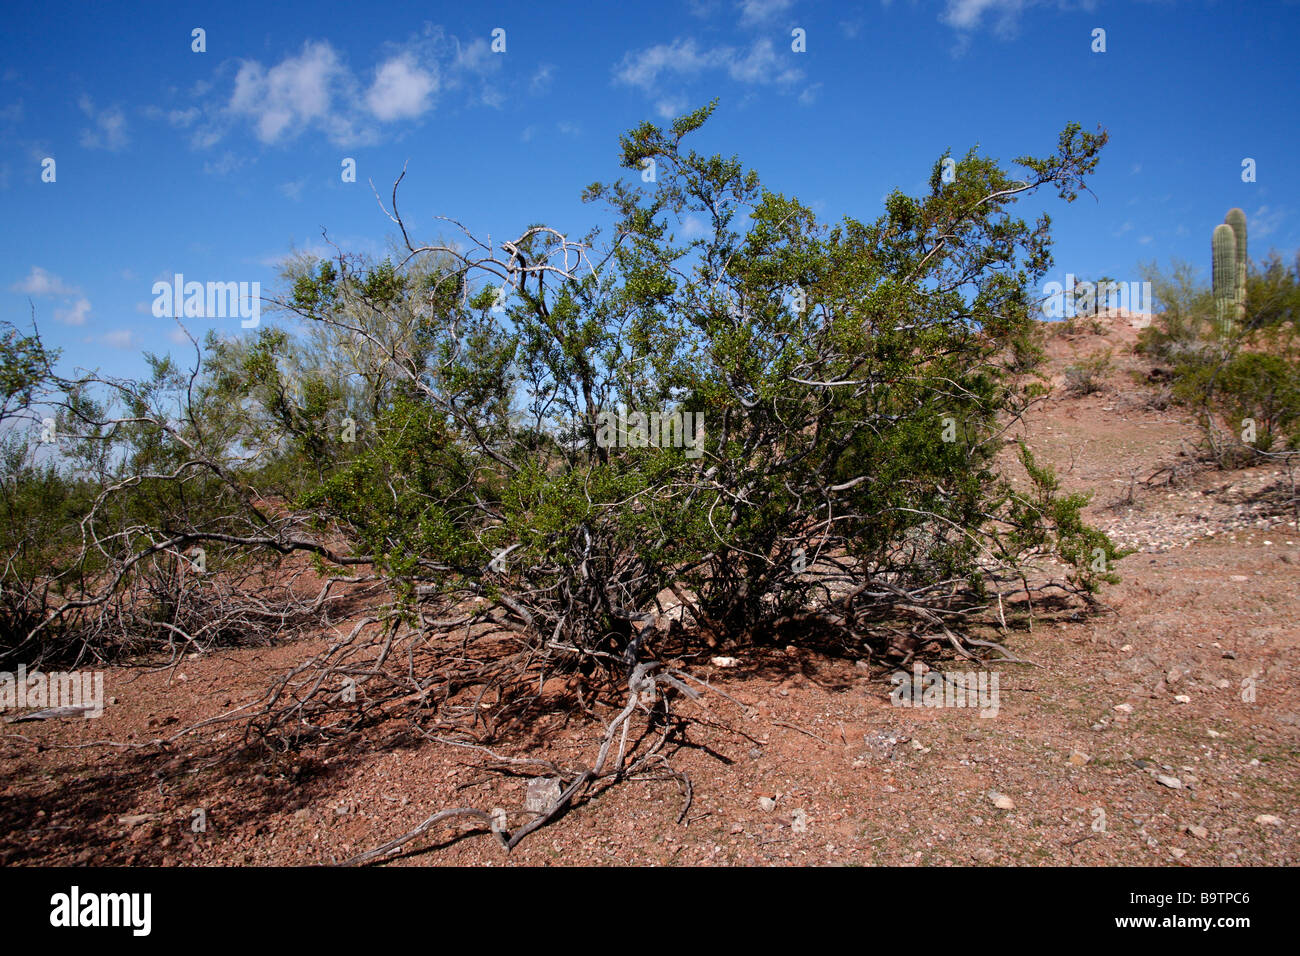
224 164
294 93
475 57
316 90
1265 221
759 64
76 315
757 11
117 339
671 108
541 81
402 89
293 190
41 283
968 15
109 131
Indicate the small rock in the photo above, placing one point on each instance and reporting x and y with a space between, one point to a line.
1123 708
1173 783
1230 655
984 855
766 804
1078 758
799 821
1199 832
1178 853
1182 699
542 795
1001 800
724 661
737 828
1269 820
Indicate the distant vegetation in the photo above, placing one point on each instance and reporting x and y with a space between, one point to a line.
1234 348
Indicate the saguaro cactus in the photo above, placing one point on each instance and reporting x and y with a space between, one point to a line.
1237 220
1224 247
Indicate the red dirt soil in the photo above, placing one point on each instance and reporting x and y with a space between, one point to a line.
1082 755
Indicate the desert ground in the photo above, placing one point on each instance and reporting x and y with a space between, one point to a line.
1161 730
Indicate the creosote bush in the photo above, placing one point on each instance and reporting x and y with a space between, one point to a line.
436 429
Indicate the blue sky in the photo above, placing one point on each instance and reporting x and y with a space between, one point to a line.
218 164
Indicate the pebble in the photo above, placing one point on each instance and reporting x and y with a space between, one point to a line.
1123 708
1173 783
1078 758
1001 800
1199 832
766 804
1269 820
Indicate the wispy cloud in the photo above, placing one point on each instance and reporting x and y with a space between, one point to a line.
684 58
76 314
541 81
109 129
1266 220
1004 15
760 11
39 282
116 339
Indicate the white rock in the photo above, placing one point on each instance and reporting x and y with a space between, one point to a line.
724 661
1269 820
543 794
1173 783
1123 708
1001 800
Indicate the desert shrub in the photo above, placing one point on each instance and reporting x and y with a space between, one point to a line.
1242 383
849 382
1088 376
